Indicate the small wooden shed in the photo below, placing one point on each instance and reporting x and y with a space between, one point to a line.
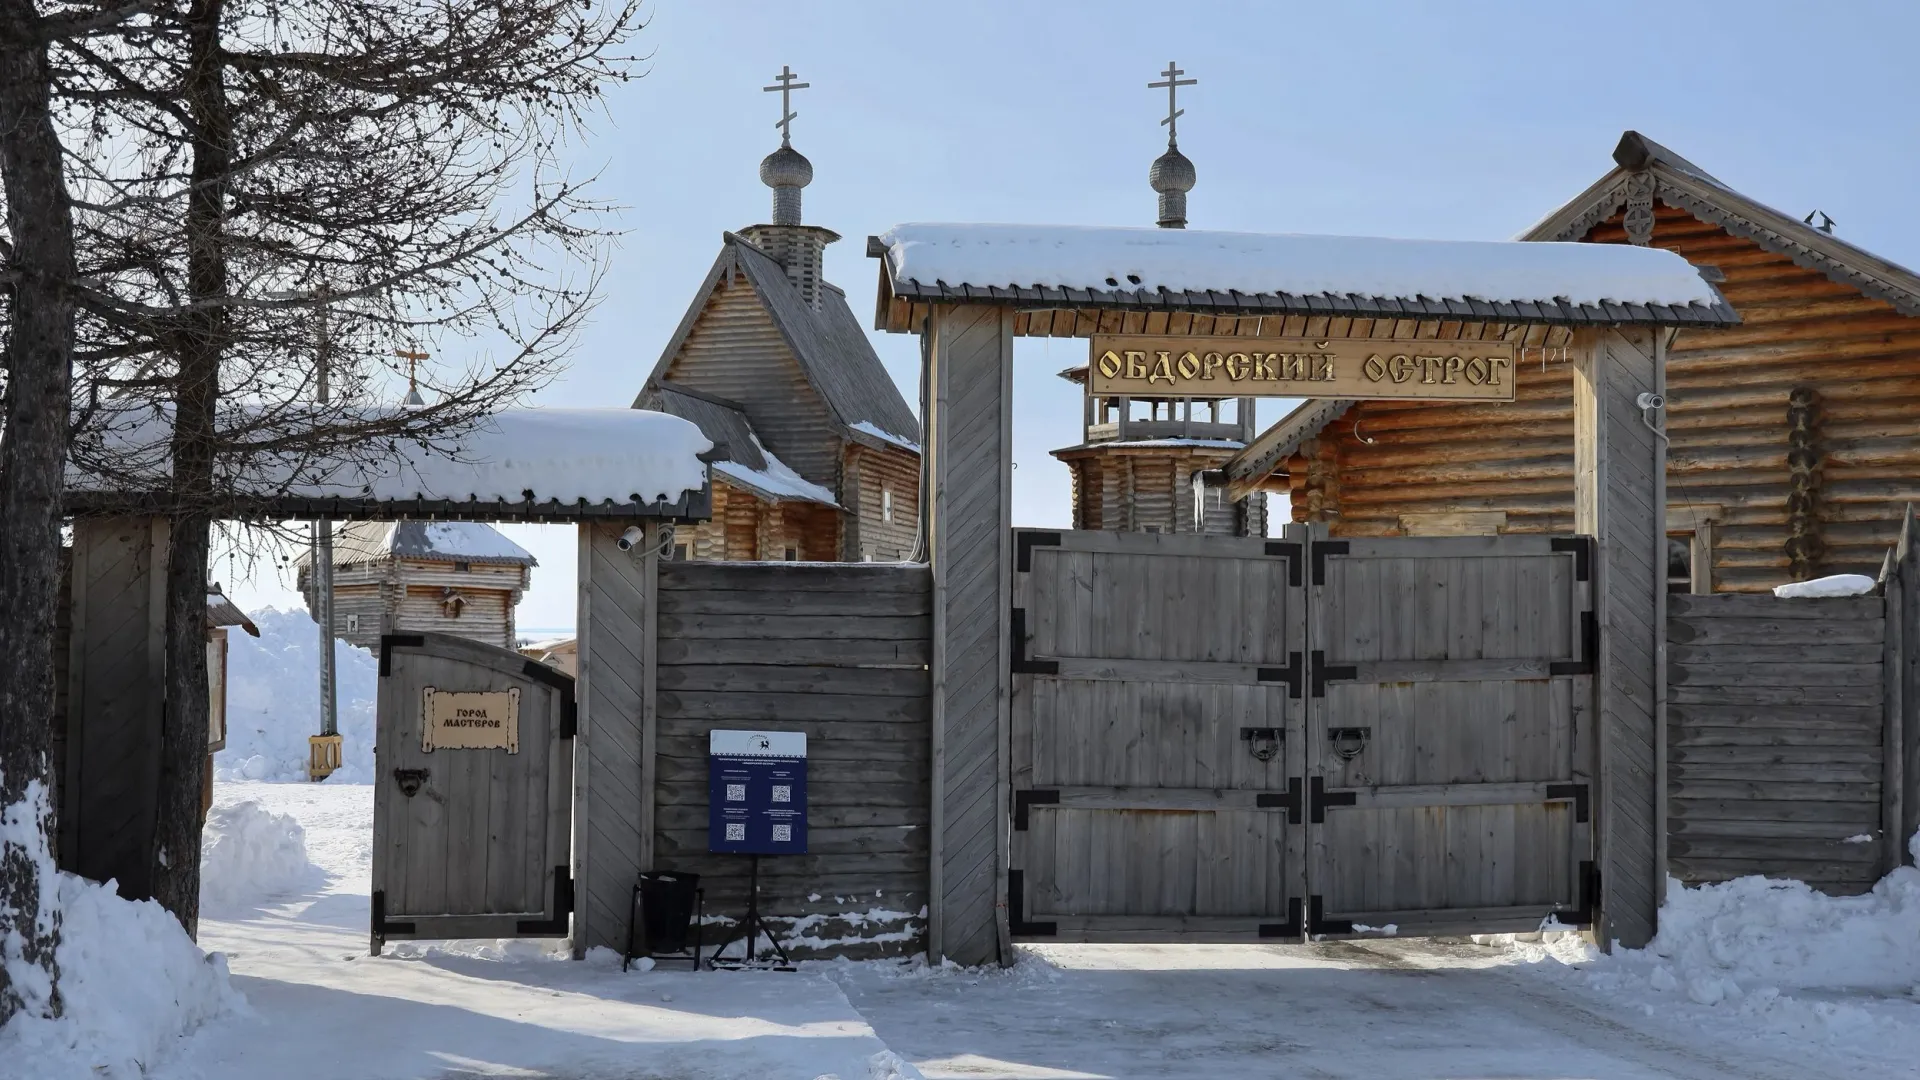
451 577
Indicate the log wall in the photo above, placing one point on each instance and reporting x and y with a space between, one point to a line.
1794 433
1776 728
837 652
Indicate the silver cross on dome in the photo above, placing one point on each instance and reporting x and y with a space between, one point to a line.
786 86
1173 84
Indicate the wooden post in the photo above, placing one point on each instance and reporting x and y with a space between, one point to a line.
968 422
1903 690
1620 498
613 769
1893 837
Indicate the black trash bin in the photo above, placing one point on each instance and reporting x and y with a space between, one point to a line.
666 901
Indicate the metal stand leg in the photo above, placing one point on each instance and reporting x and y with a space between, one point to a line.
752 925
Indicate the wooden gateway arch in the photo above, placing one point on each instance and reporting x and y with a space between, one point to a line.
1448 734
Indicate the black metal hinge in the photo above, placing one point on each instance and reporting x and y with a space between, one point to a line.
1024 799
1322 671
1021 665
1290 802
1319 798
1589 649
390 642
562 907
1017 910
1318 551
1289 674
381 927
1025 542
1318 924
1582 548
1576 792
1289 551
1582 916
1288 929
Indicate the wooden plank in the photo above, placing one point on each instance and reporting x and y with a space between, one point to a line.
1817 650
1787 633
746 602
787 626
1145 671
785 577
829 652
1774 674
1412 671
1766 607
1685 772
745 706
1414 795
1894 658
1776 849
1859 813
1154 798
772 678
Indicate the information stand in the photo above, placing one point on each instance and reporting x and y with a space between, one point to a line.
756 805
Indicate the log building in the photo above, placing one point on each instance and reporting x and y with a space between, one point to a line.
451 577
823 452
1795 436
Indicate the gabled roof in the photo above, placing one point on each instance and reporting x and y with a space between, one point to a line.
445 541
748 464
1293 274
832 350
1680 183
223 612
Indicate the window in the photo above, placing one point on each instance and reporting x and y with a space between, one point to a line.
462 567
1680 563
886 504
353 623
680 553
793 555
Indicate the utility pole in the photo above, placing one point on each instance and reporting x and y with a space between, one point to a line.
324 748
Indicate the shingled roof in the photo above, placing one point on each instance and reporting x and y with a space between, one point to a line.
1680 183
829 344
748 463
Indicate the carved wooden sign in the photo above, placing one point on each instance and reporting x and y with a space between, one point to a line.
1228 367
469 720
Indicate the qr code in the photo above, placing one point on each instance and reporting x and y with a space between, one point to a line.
736 793
782 833
737 831
782 793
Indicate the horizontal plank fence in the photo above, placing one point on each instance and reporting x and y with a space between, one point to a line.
1777 738
836 651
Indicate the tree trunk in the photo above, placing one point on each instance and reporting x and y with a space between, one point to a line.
199 345
33 447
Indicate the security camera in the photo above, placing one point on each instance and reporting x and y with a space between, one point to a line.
1650 401
632 537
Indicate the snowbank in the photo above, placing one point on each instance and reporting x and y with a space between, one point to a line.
1834 585
249 854
273 702
131 984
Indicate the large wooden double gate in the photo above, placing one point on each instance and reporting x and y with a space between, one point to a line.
1218 738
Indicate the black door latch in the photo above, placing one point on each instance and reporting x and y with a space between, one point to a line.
410 780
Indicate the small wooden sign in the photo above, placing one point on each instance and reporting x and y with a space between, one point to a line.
468 720
1229 367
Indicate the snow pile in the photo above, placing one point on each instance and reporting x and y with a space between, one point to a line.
273 702
1197 260
250 854
516 455
1833 585
131 984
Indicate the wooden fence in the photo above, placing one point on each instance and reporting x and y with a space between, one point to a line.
838 652
1776 728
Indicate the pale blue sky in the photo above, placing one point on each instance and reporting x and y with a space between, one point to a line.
1464 120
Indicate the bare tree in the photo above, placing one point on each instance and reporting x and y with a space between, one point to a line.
241 165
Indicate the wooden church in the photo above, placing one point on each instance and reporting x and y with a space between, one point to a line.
823 452
1156 464
450 577
1794 436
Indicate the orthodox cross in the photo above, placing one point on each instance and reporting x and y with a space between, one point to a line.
1173 84
413 359
786 86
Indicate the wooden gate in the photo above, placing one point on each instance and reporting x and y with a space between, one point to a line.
1218 738
1448 786
1157 726
472 801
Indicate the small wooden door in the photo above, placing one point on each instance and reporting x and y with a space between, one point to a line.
472 805
1448 738
1156 732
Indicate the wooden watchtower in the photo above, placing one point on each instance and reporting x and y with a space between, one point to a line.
451 577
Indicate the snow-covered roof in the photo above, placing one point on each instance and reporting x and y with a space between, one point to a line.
515 460
445 541
866 428
748 463
777 482
1294 273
